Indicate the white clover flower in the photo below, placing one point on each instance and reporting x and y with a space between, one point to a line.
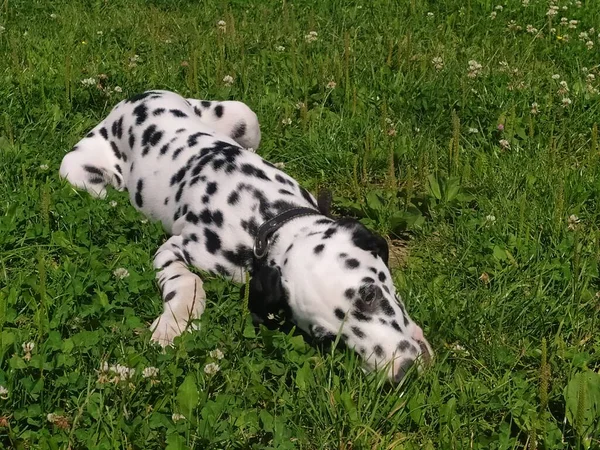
525 3
113 204
493 15
578 4
311 37
177 417
28 347
43 166
499 8
2 29
438 63
144 221
286 121
472 130
89 81
556 76
429 14
552 30
552 11
124 372
228 80
118 89
300 105
280 48
3 393
572 222
150 372
564 21
474 69
573 24
490 218
566 101
121 273
331 85
590 77
53 16
534 108
216 354
211 368
279 165
565 37
589 44
99 32
504 144
531 29
51 417
222 25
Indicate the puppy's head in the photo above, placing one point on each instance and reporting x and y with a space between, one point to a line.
337 281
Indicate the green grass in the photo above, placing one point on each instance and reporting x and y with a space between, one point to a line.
507 293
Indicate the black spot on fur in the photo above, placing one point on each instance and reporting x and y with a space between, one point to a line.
170 296
94 170
141 113
104 133
386 307
219 111
403 345
192 218
378 351
233 198
285 192
241 257
90 134
318 249
158 111
222 270
205 103
139 200
138 97
254 171
178 176
193 138
361 317
131 140
239 130
151 136
350 293
352 263
395 325
179 192
340 314
178 113
115 150
180 130
164 149
358 332
290 247
211 188
177 152
213 241
329 232
368 280
197 111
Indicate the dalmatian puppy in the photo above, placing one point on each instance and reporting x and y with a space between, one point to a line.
185 163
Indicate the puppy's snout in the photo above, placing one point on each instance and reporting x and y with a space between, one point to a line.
424 347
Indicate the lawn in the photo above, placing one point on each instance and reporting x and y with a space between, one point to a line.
466 131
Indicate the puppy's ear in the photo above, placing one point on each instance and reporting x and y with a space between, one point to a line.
267 295
381 248
324 198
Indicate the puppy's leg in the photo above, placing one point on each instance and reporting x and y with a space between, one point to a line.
183 296
232 118
94 163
